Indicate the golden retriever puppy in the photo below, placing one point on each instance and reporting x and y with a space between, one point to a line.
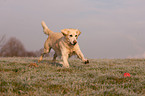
64 44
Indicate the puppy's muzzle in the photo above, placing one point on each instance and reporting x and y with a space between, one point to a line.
74 42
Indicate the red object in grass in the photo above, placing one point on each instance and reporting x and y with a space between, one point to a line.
126 75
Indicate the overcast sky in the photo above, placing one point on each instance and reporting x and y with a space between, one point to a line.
110 28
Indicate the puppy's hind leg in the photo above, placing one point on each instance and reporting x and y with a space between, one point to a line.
54 57
47 49
44 52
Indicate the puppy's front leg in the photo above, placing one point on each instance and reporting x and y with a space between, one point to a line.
81 56
65 59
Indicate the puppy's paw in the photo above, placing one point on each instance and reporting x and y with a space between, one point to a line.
86 61
66 66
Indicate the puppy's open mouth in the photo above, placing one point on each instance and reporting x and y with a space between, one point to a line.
72 44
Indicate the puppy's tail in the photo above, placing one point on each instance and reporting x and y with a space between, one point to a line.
45 28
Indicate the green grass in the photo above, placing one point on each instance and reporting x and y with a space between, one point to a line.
102 77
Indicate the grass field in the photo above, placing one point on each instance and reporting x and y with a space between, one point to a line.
102 77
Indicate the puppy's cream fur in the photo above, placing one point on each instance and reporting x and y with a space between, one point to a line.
64 44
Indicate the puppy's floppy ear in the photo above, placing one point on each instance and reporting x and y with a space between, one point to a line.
64 32
78 32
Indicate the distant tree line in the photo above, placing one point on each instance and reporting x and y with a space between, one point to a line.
14 48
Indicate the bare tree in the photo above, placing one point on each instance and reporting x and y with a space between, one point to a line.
13 47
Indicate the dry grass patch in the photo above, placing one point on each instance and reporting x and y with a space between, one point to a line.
100 77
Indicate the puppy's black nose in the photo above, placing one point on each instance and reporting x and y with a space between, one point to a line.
74 42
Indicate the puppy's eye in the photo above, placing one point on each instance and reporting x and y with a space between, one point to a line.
70 35
76 35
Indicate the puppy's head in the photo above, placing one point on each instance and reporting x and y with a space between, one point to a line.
71 35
